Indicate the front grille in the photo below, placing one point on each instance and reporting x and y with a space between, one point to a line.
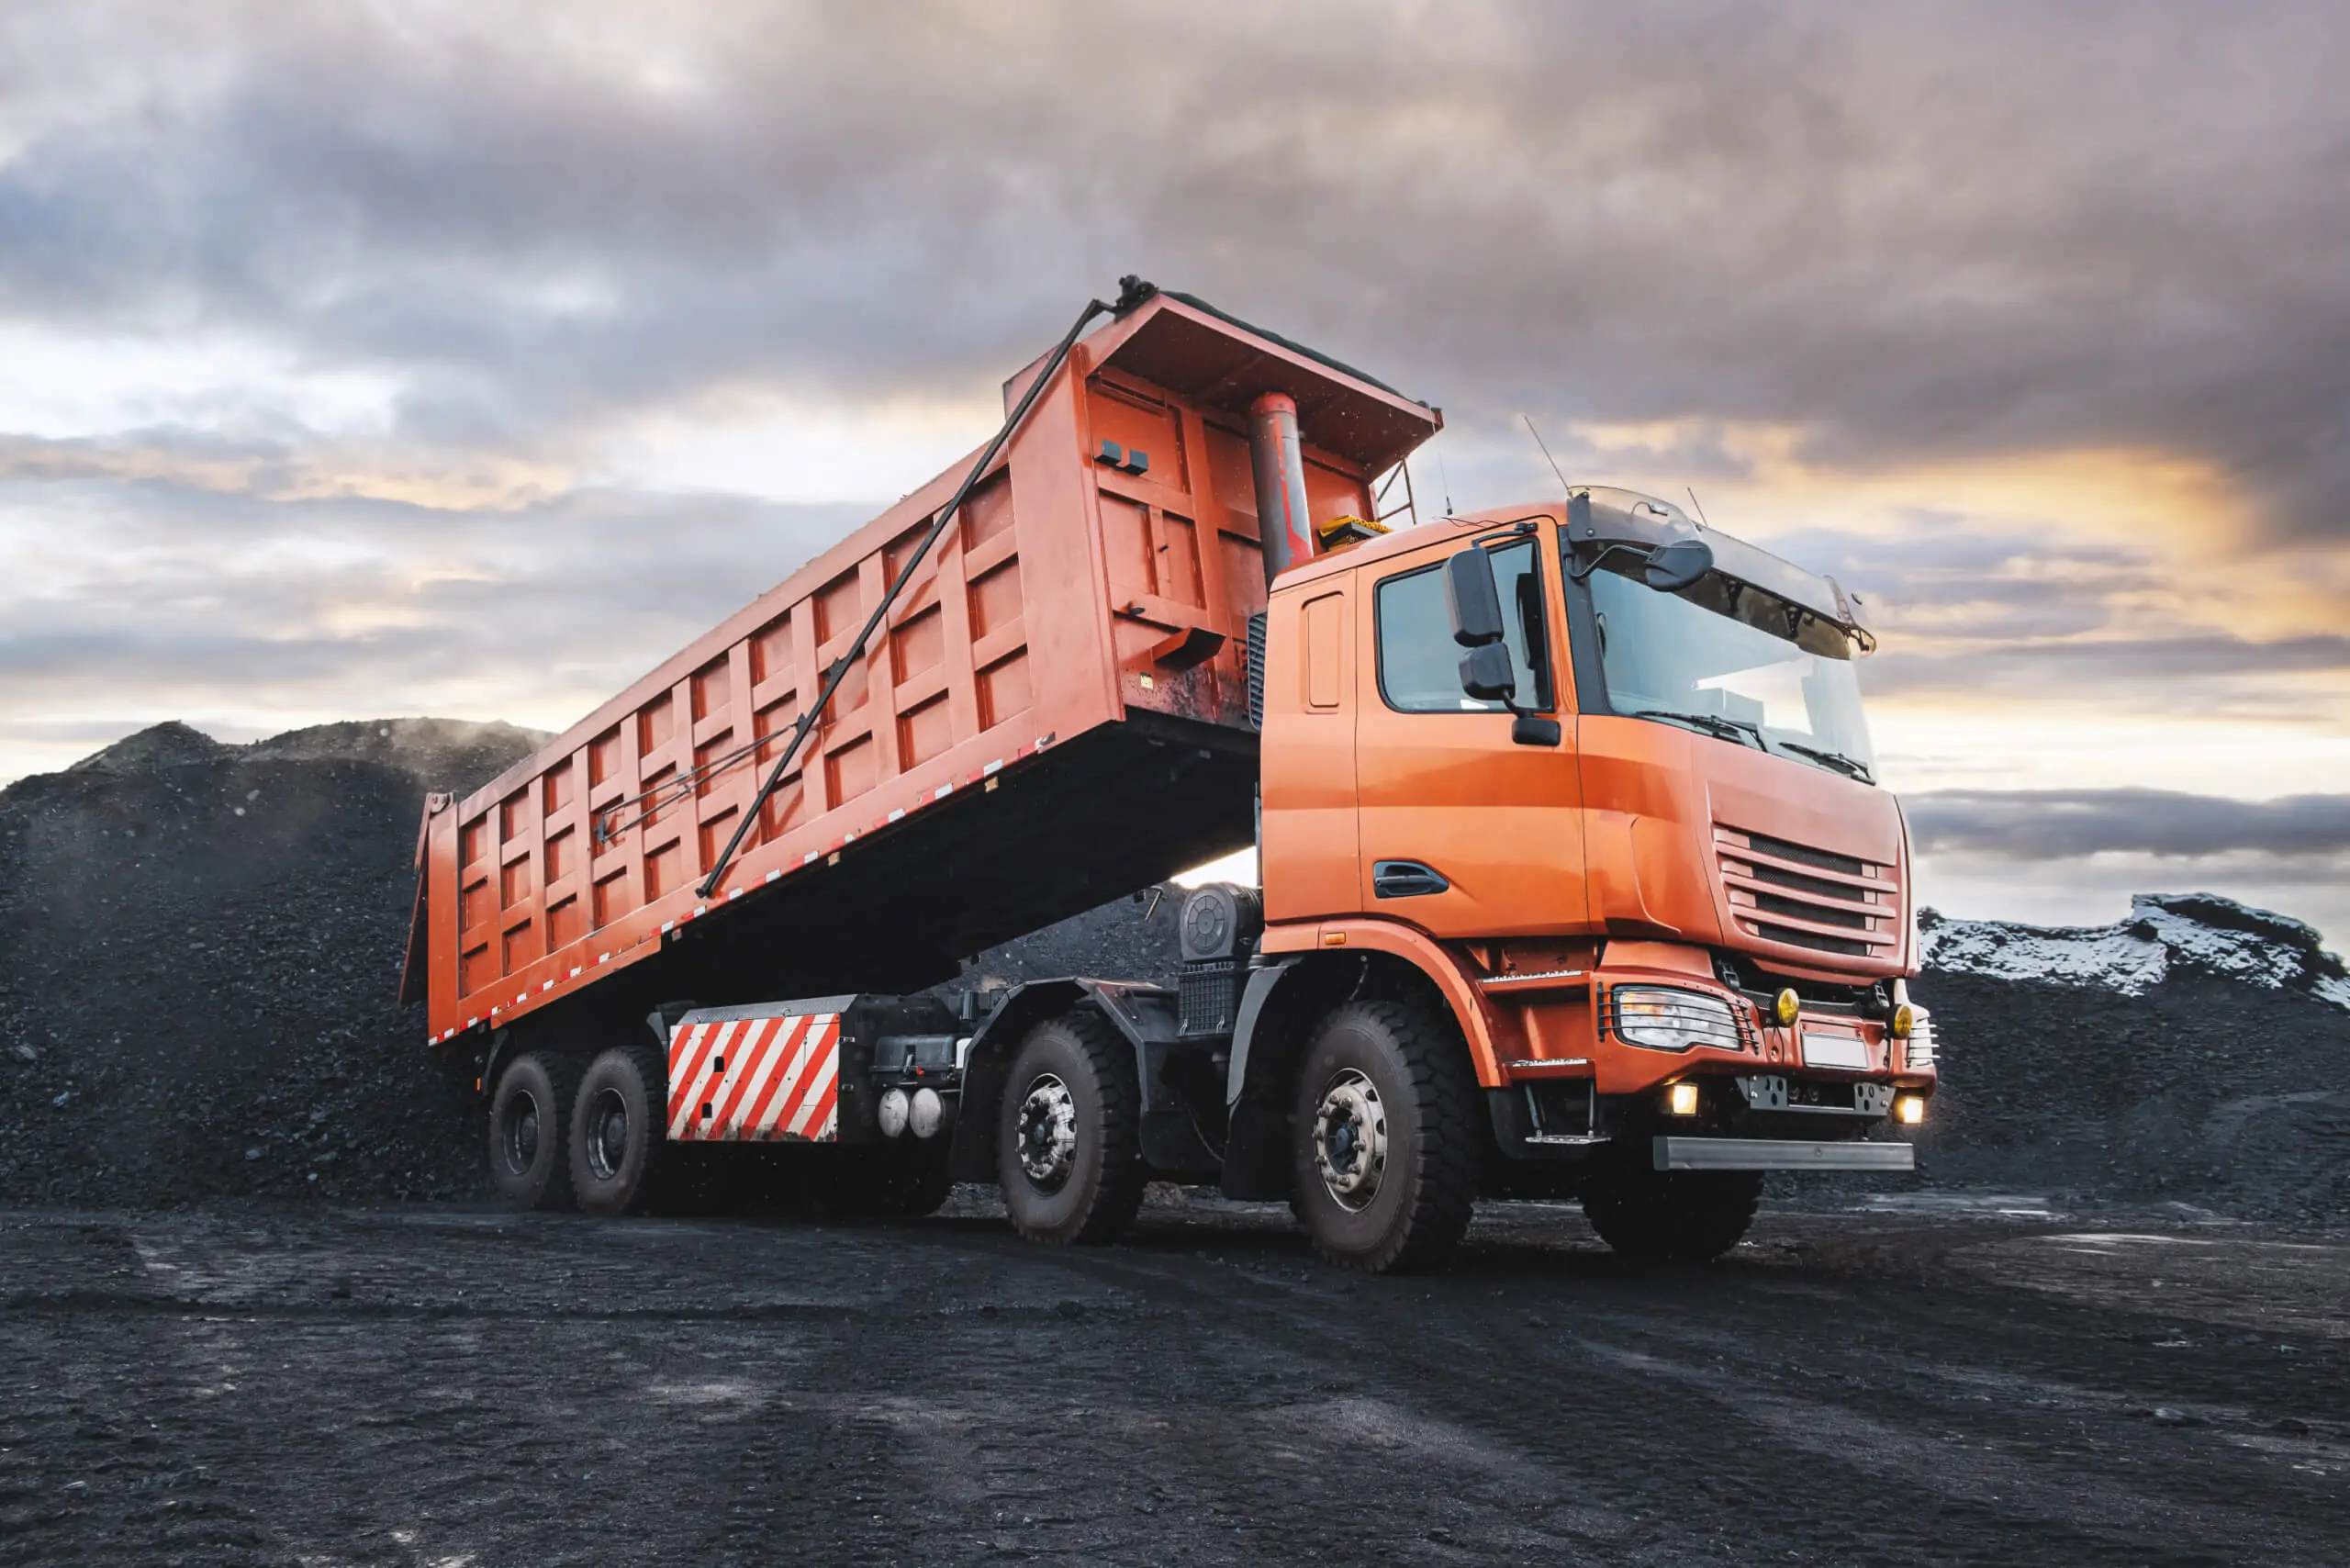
1793 895
1812 909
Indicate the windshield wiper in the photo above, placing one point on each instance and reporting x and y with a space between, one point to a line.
1835 759
1711 723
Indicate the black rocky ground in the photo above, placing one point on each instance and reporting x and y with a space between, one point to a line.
199 946
262 1384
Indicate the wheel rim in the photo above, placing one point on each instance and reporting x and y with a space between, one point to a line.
1350 1140
518 1134
607 1133
1046 1133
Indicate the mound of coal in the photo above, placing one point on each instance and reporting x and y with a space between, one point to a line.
199 948
2199 1089
1132 938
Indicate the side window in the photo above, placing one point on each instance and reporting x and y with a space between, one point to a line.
1419 664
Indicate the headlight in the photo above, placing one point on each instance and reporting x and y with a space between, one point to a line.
1659 1019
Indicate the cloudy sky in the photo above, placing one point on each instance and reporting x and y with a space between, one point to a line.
467 358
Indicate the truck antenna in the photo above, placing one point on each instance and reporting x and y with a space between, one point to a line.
1546 452
1446 480
1698 504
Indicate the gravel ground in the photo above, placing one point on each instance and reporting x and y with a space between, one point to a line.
314 1384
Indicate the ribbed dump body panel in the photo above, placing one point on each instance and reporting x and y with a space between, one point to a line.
1796 896
1055 713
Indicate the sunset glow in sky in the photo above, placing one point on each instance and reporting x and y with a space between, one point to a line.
467 359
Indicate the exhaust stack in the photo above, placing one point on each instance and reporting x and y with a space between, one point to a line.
1282 521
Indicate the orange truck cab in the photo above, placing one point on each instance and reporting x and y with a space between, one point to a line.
1595 779
1576 878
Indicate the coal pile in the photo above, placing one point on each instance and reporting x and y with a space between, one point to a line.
199 949
2200 1090
1134 939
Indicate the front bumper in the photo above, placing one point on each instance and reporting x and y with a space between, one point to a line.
1778 1154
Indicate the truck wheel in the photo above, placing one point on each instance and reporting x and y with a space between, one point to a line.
1386 1142
619 1130
529 1115
1688 1216
1066 1138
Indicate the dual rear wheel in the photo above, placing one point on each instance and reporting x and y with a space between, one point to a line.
562 1137
596 1139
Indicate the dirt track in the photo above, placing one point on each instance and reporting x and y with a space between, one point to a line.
454 1386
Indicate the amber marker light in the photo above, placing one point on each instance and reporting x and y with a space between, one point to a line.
1905 1019
1682 1098
1788 1007
1909 1109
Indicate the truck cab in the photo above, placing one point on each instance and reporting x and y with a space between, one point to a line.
1595 777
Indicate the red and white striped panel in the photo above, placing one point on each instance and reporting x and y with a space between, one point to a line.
750 1080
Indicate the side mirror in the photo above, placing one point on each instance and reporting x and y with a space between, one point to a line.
1485 672
1672 568
1475 603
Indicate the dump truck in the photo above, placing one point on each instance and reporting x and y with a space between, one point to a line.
1575 878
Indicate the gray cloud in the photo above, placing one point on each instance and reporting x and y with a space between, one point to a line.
1918 229
2113 665
2063 824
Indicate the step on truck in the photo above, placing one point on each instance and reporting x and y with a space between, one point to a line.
1576 880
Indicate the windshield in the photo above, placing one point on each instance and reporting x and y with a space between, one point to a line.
1728 659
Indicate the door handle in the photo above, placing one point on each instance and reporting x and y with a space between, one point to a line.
1406 879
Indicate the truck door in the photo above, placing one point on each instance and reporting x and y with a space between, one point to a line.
1308 765
1465 832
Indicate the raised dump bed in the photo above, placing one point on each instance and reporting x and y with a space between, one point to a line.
1054 712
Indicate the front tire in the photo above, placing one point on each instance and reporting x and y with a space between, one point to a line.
1386 1138
619 1130
530 1114
1685 1216
1068 1136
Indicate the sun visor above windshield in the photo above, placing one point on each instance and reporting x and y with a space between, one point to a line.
1603 514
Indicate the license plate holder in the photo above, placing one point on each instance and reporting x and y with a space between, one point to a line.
1847 1053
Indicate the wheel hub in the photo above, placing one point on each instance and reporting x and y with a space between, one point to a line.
1350 1139
608 1134
1047 1132
519 1138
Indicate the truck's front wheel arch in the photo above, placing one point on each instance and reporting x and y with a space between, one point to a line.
1295 999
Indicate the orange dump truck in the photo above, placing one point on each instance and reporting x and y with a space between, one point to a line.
1575 878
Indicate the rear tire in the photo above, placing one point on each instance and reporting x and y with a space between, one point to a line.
619 1130
1385 1146
529 1118
1068 1136
1685 1216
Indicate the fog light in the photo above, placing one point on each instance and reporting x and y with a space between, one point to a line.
1905 1019
1909 1109
1682 1098
1788 1007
